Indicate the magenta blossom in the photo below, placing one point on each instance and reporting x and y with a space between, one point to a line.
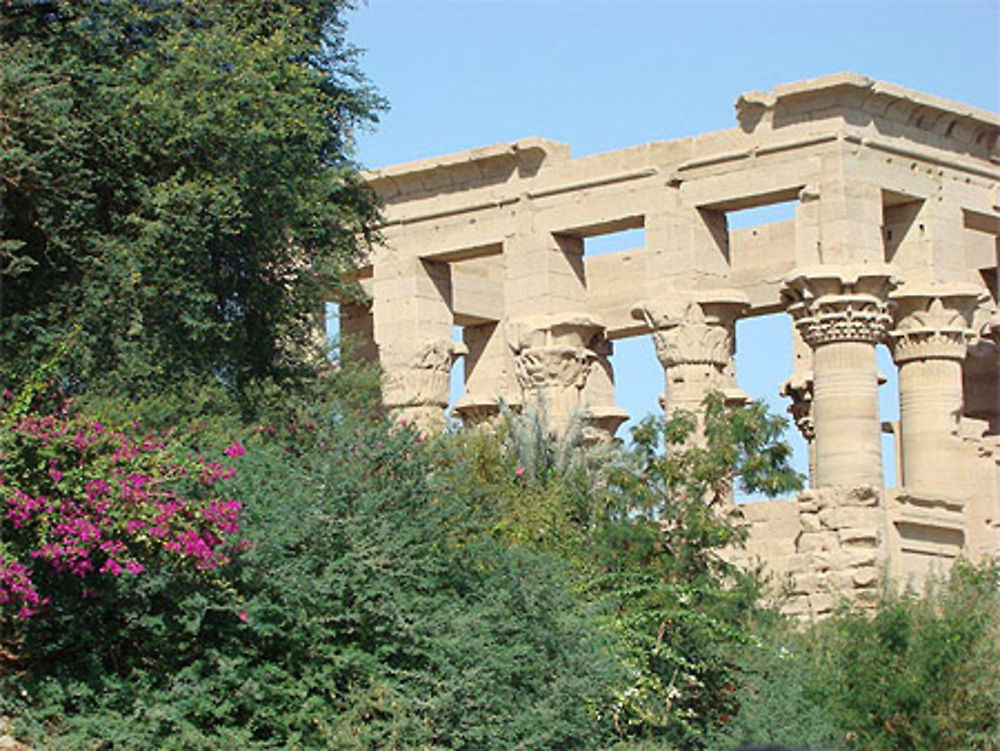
235 449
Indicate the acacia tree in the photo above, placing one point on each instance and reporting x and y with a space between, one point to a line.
175 179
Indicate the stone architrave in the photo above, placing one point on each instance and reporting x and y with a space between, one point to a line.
930 342
417 391
552 363
842 312
693 334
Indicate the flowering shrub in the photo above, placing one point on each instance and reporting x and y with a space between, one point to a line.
85 501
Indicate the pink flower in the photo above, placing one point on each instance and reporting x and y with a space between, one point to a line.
111 566
235 449
519 472
243 616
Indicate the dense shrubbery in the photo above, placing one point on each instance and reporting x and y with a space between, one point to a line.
919 673
478 591
642 531
368 610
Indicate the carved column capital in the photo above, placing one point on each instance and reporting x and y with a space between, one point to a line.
424 378
840 303
556 366
693 327
552 360
934 321
799 388
693 334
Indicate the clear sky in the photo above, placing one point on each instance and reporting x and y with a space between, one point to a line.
606 74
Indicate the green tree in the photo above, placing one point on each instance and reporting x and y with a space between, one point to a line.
175 179
643 529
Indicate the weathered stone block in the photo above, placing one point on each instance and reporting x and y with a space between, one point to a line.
854 537
809 543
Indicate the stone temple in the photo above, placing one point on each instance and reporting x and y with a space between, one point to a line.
894 241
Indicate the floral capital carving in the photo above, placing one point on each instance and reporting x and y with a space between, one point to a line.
799 388
552 360
934 322
840 303
693 328
425 377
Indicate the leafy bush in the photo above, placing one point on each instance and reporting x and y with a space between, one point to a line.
369 611
920 673
642 530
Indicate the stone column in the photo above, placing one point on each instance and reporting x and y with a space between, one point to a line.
486 375
693 334
552 363
799 388
601 416
417 391
929 344
842 313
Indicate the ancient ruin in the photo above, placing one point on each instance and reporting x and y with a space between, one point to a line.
894 240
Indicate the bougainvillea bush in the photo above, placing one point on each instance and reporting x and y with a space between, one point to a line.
367 609
85 503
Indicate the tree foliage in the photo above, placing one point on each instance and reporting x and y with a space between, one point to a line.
175 181
643 529
919 673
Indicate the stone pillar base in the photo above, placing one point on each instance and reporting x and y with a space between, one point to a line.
601 423
841 551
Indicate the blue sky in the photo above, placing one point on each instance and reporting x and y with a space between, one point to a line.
606 74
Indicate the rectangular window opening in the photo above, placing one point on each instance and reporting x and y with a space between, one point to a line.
614 242
758 216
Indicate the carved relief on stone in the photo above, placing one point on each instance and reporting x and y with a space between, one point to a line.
799 388
934 321
424 379
693 328
693 335
540 369
551 360
840 303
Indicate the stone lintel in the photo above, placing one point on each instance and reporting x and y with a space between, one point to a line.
465 169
